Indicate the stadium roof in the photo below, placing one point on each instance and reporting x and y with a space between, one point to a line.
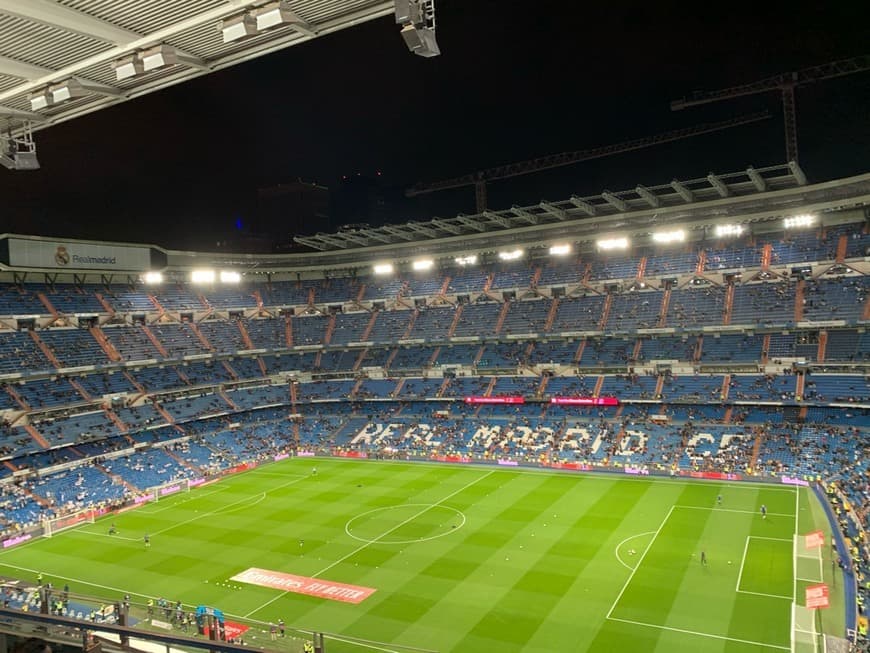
50 42
676 194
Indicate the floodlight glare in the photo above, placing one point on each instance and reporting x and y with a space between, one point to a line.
228 276
153 278
560 250
723 230
677 236
202 276
423 264
466 260
510 256
384 268
798 221
613 243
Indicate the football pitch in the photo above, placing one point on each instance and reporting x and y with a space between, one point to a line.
465 558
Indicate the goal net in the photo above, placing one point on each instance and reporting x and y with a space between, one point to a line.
808 560
58 524
169 489
804 637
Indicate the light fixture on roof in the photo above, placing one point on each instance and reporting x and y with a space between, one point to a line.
471 259
160 56
230 276
417 18
276 14
423 264
798 221
383 268
152 278
725 230
665 237
513 255
64 92
238 27
613 243
128 66
560 250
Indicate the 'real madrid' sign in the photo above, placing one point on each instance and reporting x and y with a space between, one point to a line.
72 255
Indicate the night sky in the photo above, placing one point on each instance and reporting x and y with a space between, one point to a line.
515 81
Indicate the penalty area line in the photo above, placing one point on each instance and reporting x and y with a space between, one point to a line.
699 634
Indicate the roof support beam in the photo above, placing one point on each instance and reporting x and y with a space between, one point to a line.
719 185
354 238
554 210
498 219
531 218
683 191
399 233
24 115
22 70
471 223
798 173
420 229
446 226
757 179
583 205
647 196
374 234
311 241
335 241
614 201
51 13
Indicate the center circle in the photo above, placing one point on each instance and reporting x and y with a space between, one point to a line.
380 524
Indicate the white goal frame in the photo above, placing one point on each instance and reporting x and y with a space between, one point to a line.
57 524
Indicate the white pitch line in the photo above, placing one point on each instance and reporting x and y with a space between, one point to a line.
742 562
639 561
630 537
745 512
378 538
771 596
772 539
699 634
260 497
114 537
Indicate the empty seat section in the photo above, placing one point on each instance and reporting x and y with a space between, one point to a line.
74 347
20 300
529 316
662 264
19 354
579 313
132 343
70 299
764 303
835 299
177 297
48 392
286 293
267 333
433 322
505 355
554 352
98 385
668 348
634 310
615 351
390 326
224 336
506 277
154 379
732 348
179 340
126 299
695 306
309 329
477 320
412 358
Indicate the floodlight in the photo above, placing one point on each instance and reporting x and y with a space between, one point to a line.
383 268
677 236
68 90
158 57
238 27
417 18
723 230
466 260
40 100
798 221
276 14
613 243
127 67
202 276
510 256
19 152
229 276
153 278
560 250
421 41
423 264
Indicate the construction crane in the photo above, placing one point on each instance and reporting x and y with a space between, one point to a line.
479 179
786 84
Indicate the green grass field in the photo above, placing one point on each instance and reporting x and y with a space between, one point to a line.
466 558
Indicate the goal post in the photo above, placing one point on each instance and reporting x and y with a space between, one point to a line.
167 490
57 524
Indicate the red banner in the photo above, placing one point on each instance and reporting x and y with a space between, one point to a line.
585 401
323 589
817 596
232 630
815 540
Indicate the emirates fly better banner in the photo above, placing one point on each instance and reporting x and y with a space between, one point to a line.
324 589
72 255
